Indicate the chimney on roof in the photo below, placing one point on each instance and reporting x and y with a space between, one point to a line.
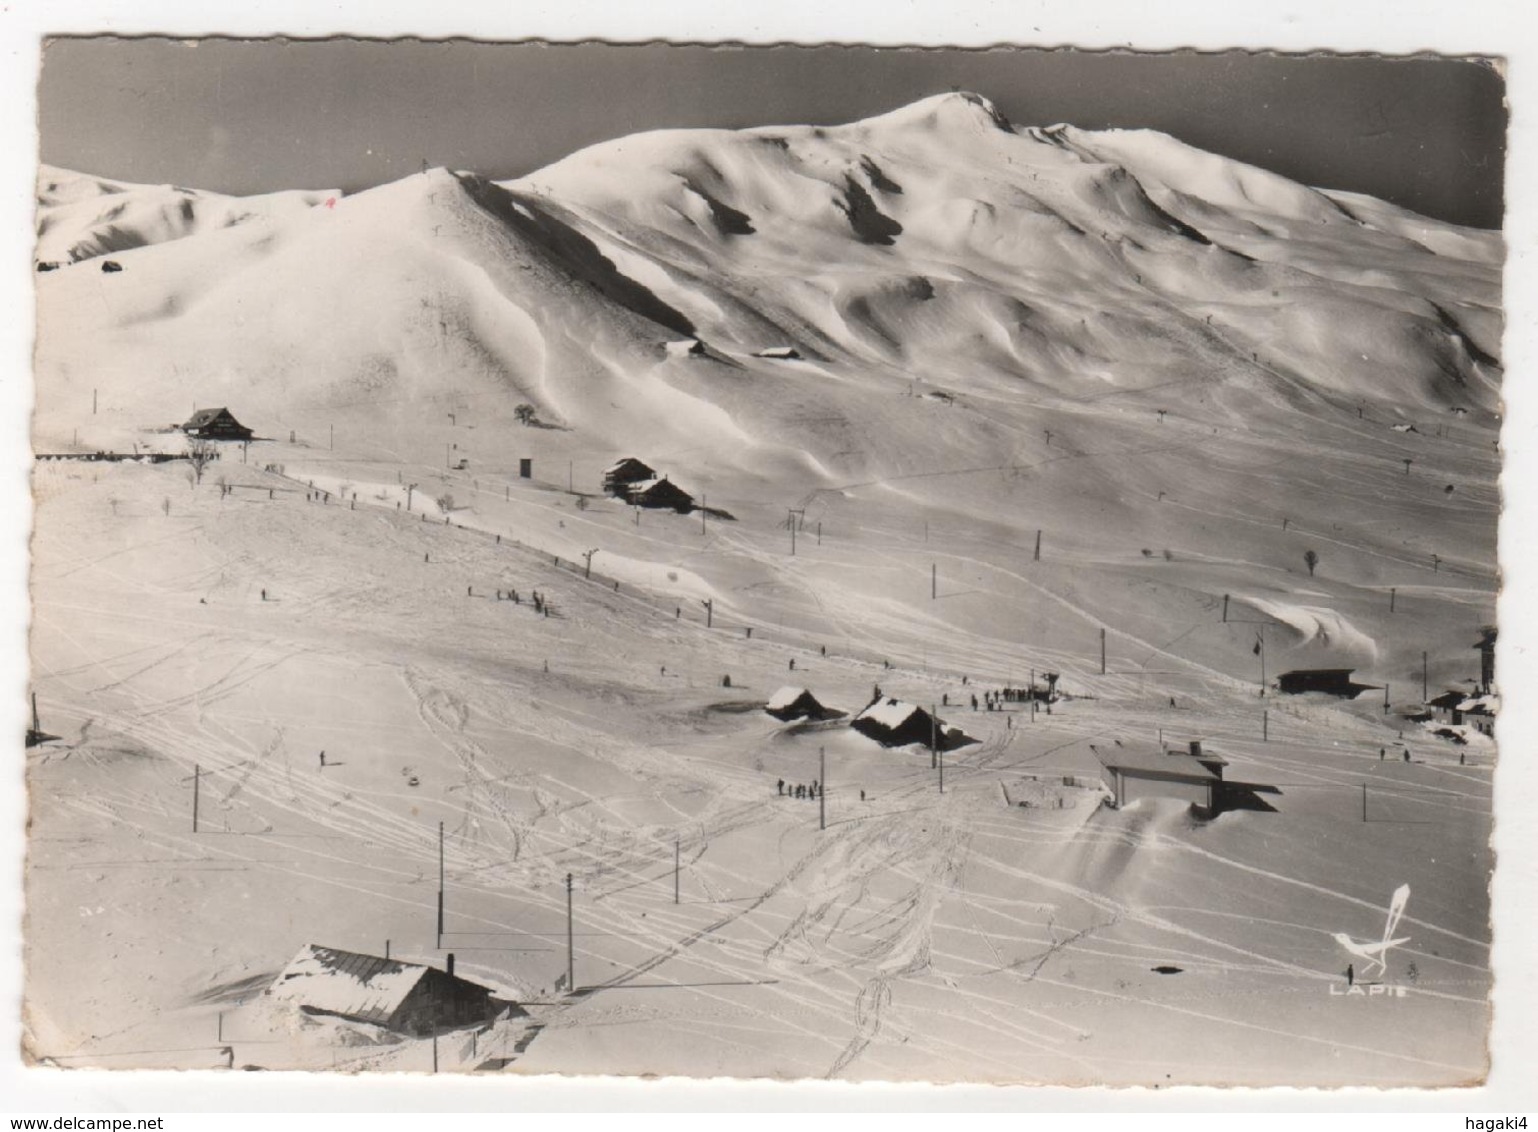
448 965
1196 748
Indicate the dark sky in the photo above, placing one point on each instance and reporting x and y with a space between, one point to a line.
251 116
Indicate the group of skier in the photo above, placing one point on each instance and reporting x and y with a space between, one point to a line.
798 790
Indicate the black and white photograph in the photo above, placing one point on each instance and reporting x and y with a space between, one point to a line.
786 562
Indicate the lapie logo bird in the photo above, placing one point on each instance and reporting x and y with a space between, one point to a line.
1375 952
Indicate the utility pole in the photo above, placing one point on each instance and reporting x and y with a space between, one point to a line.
448 461
1385 698
934 583
571 951
332 442
1392 591
1037 556
570 480
1364 801
197 774
1102 652
1425 693
410 487
942 771
440 885
588 556
822 789
1265 726
93 402
1262 643
676 857
710 605
1225 607
819 532
702 514
792 533
933 738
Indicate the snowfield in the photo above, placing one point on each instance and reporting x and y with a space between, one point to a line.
1054 391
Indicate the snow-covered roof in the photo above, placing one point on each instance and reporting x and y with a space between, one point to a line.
889 712
778 352
642 487
208 416
621 465
1142 761
787 696
366 987
1481 705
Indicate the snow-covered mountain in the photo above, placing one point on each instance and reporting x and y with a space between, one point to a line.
986 402
1025 326
80 216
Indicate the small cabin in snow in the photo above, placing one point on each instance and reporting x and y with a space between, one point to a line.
1447 708
1132 774
409 998
1335 681
659 493
893 723
215 424
618 476
791 702
1479 713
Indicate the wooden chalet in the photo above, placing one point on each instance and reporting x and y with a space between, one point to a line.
791 703
215 424
618 476
1335 681
659 493
409 998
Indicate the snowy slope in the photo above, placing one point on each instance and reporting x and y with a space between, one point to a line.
1010 329
80 216
985 401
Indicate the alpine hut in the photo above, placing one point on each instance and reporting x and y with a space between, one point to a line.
215 424
791 703
618 476
1334 681
409 998
659 493
894 723
1136 773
